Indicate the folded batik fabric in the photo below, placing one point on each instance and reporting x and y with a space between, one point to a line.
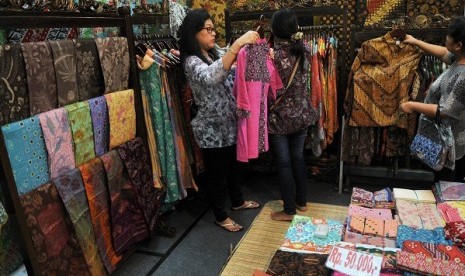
365 239
455 231
369 212
58 140
419 215
384 198
357 224
419 263
122 117
114 61
81 127
451 190
452 211
374 227
89 73
405 233
292 263
439 251
100 124
64 61
26 150
53 237
362 197
127 219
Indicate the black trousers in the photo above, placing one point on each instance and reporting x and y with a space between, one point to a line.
223 175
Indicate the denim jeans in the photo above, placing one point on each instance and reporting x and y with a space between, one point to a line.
288 155
223 175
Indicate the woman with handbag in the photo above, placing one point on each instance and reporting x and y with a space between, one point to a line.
214 126
446 96
291 114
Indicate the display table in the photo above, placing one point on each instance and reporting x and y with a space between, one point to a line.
265 236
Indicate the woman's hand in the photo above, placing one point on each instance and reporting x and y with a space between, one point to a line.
410 40
249 37
407 107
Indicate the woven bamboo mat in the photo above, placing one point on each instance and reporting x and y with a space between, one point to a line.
265 235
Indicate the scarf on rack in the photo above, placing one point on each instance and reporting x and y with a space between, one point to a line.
73 194
122 116
89 73
80 122
26 151
94 177
136 160
14 105
127 219
58 141
114 60
55 243
100 124
40 75
64 60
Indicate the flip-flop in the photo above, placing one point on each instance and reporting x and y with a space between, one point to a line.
250 204
226 225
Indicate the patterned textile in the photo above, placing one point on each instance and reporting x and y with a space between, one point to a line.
38 34
362 197
89 73
177 14
373 226
292 263
73 194
448 8
64 60
54 240
299 236
3 217
439 251
151 84
451 190
10 254
419 215
357 224
100 124
152 143
94 178
419 263
14 105
122 117
372 105
365 239
58 141
449 212
455 231
26 151
80 122
40 75
114 60
136 160
369 213
379 10
127 219
405 233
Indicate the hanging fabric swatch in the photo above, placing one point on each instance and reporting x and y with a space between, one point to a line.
81 127
127 219
14 105
89 73
94 178
151 83
136 160
26 151
55 243
40 75
122 117
73 194
114 60
100 124
10 254
58 141
64 60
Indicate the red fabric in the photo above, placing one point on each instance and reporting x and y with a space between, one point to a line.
439 251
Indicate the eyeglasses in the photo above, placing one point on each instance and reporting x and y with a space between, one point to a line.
209 29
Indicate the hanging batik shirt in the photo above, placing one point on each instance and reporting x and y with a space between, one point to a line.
256 77
383 74
448 90
214 126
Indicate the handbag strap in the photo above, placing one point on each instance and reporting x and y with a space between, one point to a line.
291 77
437 117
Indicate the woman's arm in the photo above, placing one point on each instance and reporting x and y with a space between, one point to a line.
428 109
249 37
440 52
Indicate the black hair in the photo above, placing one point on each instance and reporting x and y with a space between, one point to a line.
456 30
283 25
191 25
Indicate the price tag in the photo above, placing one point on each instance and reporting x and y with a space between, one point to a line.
353 263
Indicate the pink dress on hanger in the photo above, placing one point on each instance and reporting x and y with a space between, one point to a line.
256 79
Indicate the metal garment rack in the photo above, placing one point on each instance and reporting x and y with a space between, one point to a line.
394 172
25 19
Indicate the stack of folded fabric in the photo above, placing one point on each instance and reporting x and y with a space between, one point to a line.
379 199
450 191
455 231
452 210
419 215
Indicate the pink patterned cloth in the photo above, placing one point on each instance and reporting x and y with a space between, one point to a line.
455 231
369 212
362 197
366 239
419 263
419 215
58 141
256 78
449 213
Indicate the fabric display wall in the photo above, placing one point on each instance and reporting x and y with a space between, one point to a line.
72 157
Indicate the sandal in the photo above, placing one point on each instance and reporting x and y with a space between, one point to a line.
230 226
303 208
250 204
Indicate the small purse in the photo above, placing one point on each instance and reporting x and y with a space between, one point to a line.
291 77
438 150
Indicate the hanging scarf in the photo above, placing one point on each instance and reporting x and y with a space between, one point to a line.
114 60
89 73
80 122
122 116
100 124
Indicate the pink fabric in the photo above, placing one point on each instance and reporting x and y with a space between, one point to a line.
419 215
58 141
449 213
369 213
256 77
419 263
365 239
